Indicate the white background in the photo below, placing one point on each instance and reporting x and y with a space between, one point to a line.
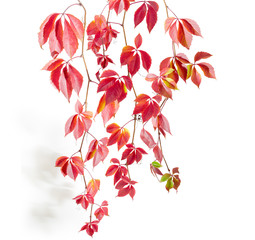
212 143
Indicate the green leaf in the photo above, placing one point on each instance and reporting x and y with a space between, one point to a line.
169 184
165 177
156 164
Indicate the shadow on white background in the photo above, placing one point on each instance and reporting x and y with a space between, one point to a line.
212 143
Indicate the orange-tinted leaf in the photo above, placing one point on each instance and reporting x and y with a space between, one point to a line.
109 111
123 138
207 69
182 69
93 186
126 54
91 149
201 55
112 128
53 64
195 77
191 26
101 104
184 37
70 41
101 152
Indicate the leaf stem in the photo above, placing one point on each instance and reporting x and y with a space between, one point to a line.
125 38
167 8
82 55
91 209
162 152
75 4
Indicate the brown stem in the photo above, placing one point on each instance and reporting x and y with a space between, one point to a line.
162 152
91 209
163 104
167 8
83 57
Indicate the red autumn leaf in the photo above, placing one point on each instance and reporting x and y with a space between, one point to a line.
70 166
184 37
93 186
181 30
61 37
178 64
53 64
64 77
140 14
195 77
77 26
207 69
201 55
115 87
84 200
103 60
100 33
164 83
191 26
56 39
125 187
147 138
147 106
132 154
151 17
70 41
155 171
158 153
109 111
118 135
138 41
148 9
117 170
98 151
102 211
146 60
46 28
119 5
161 123
131 56
91 227
80 122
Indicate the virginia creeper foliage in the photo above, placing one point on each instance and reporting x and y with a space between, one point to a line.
75 35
